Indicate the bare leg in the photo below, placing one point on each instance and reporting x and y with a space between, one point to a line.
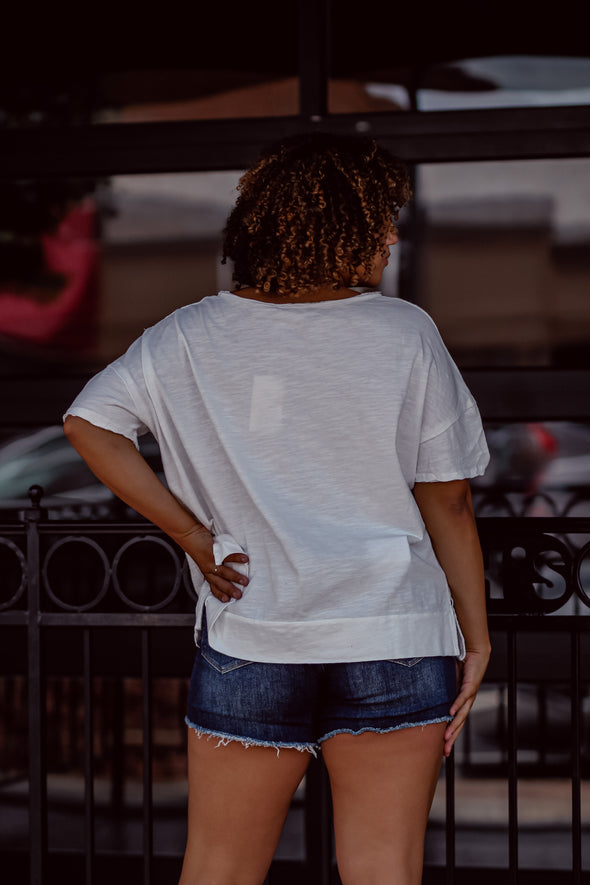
238 801
382 789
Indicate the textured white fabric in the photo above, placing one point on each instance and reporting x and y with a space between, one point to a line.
299 430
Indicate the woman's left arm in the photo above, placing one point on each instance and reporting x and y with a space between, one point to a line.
117 463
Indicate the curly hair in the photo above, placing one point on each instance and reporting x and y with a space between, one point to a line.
311 211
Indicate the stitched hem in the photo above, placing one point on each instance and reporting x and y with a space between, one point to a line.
224 739
385 730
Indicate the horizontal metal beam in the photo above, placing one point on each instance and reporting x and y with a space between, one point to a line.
502 395
534 394
37 401
418 137
126 619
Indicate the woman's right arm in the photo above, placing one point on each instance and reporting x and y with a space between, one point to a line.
447 512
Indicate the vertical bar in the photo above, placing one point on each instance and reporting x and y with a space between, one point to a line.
73 730
117 725
411 245
36 698
512 760
88 757
148 822
326 805
542 723
576 701
55 747
10 703
411 242
466 742
450 824
313 57
318 825
502 725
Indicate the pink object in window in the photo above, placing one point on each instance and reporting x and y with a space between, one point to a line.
67 321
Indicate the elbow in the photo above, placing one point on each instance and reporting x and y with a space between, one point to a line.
69 426
74 428
450 501
459 503
452 495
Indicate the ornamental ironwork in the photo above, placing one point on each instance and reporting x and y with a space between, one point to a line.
534 565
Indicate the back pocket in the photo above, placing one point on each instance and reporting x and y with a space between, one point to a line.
220 662
406 662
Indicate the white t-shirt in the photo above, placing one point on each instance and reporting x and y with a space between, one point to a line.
299 430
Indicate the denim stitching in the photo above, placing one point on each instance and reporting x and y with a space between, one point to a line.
405 662
237 664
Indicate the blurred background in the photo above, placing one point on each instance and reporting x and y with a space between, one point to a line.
121 147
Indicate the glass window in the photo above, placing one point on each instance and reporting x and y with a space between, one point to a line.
388 92
471 83
504 260
86 266
232 61
161 249
505 81
159 96
537 468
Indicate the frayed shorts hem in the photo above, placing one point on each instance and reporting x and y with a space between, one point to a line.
224 739
352 731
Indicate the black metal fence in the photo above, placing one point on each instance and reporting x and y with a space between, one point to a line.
96 626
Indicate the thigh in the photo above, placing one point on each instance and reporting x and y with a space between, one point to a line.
382 790
238 800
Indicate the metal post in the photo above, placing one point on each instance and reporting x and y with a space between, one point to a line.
88 758
318 825
512 760
313 57
36 696
148 810
450 823
116 704
576 714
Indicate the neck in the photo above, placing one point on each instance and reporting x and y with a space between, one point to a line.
322 293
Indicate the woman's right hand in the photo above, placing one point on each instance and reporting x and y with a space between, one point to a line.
197 542
118 464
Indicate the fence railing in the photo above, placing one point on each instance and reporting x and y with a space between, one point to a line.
96 637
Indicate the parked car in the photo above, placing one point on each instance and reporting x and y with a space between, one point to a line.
45 458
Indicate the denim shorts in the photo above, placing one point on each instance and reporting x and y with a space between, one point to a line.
300 705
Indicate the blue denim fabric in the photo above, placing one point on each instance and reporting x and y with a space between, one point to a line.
301 705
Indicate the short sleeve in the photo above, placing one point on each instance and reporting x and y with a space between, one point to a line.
452 441
115 398
458 452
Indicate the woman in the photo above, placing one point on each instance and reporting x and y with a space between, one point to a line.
317 443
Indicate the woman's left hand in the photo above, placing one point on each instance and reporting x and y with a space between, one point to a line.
222 578
471 672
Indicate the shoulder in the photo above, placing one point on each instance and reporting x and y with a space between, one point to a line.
408 317
182 319
406 311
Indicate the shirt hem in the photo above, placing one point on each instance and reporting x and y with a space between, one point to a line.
338 640
449 475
